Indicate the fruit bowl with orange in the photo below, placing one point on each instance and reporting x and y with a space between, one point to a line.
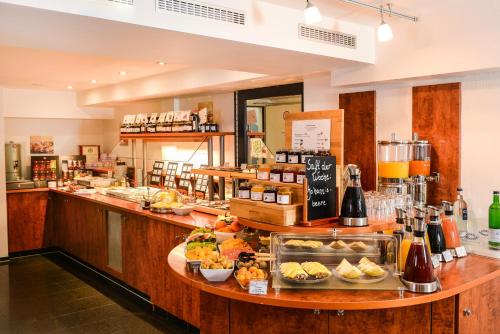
227 227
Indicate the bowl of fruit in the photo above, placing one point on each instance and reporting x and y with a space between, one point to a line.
218 269
226 227
246 274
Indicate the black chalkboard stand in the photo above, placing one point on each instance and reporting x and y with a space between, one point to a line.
316 222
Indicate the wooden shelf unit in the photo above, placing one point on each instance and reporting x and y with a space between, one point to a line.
175 136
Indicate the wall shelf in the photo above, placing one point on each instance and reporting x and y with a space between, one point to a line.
175 136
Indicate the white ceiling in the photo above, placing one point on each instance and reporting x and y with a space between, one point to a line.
44 69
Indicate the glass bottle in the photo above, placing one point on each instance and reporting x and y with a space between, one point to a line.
435 231
353 202
450 230
418 265
494 222
406 243
461 214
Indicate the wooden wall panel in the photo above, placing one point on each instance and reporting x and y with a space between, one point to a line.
443 316
214 311
26 220
360 134
436 117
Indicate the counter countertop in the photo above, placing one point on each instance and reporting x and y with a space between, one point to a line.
192 221
456 277
31 190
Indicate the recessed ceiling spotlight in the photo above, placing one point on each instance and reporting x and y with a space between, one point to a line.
122 73
93 81
69 87
311 13
161 63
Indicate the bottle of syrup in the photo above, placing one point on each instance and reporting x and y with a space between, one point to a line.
418 266
435 231
450 229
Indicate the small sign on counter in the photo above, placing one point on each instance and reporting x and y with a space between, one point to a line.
436 260
321 175
460 252
447 255
258 287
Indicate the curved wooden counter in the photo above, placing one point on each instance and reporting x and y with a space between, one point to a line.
456 277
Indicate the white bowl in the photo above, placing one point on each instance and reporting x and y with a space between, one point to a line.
183 211
216 275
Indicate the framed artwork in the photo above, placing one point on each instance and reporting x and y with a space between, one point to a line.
91 152
42 144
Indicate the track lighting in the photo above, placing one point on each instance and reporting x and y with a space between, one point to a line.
384 32
311 13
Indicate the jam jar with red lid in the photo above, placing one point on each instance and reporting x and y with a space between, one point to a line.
276 174
294 157
301 175
289 175
270 194
281 156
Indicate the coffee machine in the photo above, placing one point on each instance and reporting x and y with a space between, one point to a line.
13 168
404 167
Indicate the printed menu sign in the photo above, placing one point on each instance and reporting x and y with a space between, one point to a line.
311 134
321 187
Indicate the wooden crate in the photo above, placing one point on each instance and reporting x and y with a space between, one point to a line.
284 215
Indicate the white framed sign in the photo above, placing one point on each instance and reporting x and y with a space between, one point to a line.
311 134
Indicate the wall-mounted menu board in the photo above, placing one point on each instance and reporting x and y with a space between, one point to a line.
321 188
311 134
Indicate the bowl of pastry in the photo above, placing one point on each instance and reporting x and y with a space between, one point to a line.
218 269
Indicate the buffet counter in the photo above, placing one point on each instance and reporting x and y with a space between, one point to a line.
466 302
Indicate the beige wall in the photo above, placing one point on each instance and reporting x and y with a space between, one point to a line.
275 125
4 248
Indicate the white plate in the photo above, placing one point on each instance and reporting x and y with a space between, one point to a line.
364 279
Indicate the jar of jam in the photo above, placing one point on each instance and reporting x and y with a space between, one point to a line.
301 175
244 190
281 156
285 196
270 194
306 154
263 172
289 175
294 157
276 174
257 192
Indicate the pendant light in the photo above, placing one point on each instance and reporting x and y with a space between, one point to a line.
311 13
384 32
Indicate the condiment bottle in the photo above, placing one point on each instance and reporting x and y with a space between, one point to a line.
418 265
450 229
435 231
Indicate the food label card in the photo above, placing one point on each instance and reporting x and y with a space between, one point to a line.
257 287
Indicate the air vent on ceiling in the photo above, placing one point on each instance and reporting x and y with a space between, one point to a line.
327 36
125 2
199 9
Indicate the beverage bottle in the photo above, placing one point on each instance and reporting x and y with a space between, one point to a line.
435 231
405 244
418 265
461 214
494 222
450 230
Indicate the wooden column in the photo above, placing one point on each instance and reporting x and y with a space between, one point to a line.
359 134
436 117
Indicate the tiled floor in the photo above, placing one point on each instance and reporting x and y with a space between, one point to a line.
48 294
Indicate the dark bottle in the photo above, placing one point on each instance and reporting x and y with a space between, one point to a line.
435 231
418 266
353 211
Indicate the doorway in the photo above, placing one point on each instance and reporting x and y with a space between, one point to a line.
259 118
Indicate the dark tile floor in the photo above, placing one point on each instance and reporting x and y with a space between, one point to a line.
49 294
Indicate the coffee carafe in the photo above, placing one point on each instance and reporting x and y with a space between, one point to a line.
435 230
353 211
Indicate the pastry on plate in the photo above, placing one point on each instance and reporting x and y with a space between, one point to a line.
358 246
293 270
316 269
343 265
293 243
338 244
312 244
370 268
351 272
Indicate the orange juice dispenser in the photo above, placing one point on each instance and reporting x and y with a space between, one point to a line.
393 165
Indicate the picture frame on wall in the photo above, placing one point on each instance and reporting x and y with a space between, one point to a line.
91 152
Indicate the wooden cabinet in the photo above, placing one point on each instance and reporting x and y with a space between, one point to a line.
26 219
477 309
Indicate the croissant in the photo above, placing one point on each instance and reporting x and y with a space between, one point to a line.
293 270
312 244
316 269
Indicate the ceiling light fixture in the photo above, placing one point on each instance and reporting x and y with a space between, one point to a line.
384 32
123 73
93 81
311 13
377 8
69 87
161 63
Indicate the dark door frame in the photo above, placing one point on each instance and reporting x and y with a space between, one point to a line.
240 119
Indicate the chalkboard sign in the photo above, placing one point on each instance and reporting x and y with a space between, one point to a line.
321 187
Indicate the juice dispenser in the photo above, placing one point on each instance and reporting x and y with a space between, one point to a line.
420 163
393 165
